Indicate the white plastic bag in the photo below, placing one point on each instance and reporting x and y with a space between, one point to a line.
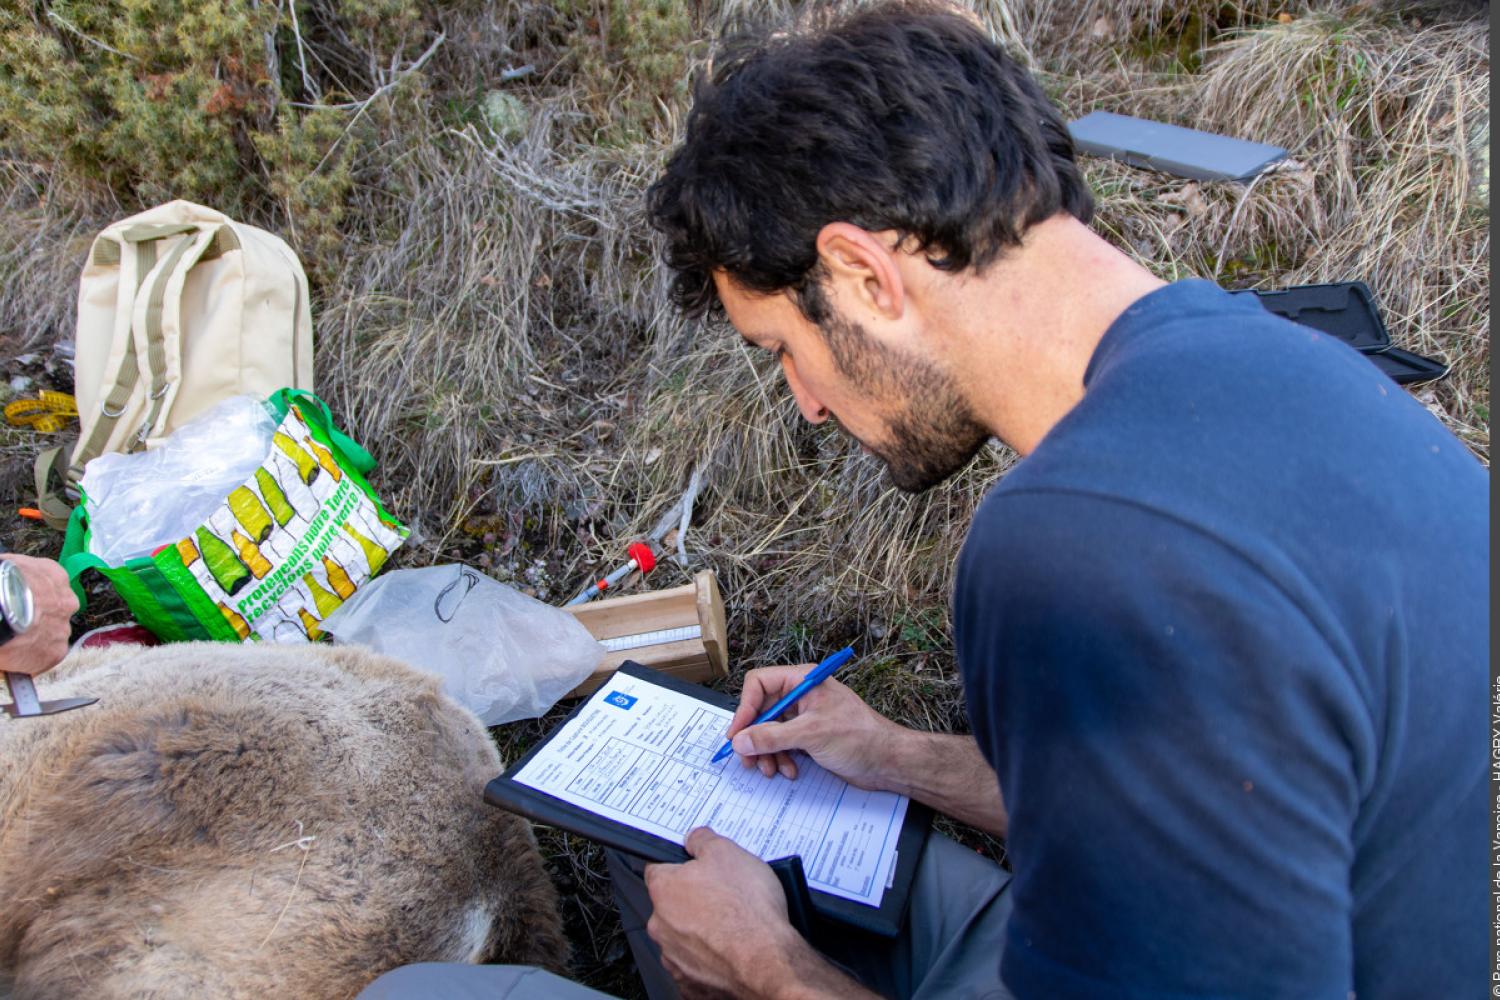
501 654
139 502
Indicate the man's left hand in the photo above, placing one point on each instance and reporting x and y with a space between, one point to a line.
721 922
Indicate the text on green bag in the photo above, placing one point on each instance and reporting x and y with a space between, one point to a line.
307 553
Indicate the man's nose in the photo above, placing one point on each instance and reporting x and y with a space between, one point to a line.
813 411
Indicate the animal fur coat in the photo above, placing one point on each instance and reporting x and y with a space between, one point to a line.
257 822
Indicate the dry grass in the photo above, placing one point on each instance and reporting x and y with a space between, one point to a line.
494 328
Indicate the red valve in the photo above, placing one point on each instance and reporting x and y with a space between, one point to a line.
644 558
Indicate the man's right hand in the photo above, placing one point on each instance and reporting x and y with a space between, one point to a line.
831 724
41 646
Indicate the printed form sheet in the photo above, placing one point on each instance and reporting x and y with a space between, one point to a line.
639 754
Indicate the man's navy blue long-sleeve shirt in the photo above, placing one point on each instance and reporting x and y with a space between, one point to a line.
1224 640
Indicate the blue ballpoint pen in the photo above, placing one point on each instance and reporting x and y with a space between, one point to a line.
818 675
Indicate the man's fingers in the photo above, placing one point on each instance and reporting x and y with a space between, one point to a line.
49 586
699 840
744 713
771 737
762 687
772 764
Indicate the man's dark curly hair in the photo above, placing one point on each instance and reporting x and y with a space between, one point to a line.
901 116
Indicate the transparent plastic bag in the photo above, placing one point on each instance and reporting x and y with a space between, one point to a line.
501 654
138 503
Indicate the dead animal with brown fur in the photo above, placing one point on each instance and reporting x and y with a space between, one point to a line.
238 821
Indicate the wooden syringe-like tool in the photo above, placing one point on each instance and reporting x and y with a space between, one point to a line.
679 631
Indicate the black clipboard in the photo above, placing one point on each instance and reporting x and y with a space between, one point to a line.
886 920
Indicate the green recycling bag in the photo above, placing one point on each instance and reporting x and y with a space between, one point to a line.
285 548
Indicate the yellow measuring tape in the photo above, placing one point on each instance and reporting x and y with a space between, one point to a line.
49 413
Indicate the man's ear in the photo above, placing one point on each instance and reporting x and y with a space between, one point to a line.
861 270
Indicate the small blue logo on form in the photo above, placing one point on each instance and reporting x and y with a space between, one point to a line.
620 700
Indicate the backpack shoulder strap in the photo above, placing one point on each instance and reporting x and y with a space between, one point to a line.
98 428
153 278
166 279
52 466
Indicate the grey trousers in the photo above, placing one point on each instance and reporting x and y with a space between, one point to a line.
457 981
950 947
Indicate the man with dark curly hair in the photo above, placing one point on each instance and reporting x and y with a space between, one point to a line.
1222 631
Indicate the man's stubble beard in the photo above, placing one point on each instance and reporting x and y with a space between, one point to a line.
933 434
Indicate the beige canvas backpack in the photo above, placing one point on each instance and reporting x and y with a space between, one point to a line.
179 307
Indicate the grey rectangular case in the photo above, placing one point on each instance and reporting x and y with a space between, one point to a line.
1172 149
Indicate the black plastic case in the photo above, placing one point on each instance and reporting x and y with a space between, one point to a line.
1346 310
